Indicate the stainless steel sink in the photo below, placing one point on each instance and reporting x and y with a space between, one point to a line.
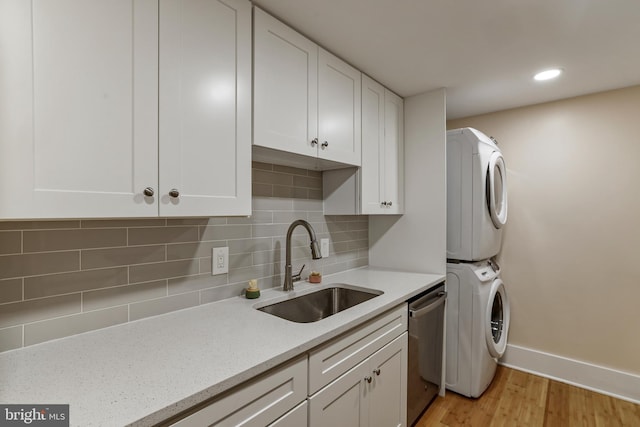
320 304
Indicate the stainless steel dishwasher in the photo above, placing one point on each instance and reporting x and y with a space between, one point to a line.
424 376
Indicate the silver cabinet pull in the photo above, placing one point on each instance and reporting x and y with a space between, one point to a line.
314 142
377 372
148 192
174 193
325 145
389 204
368 379
384 203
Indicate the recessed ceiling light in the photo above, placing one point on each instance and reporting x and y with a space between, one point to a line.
548 74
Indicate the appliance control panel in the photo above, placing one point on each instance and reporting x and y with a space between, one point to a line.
485 272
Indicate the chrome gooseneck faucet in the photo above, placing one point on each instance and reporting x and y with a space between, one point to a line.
315 252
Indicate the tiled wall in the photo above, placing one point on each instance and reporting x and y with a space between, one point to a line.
59 278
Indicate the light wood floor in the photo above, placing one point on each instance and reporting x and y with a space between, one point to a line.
516 398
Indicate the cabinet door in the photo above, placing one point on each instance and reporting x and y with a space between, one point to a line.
393 154
205 107
256 403
78 111
388 391
332 359
297 417
373 139
285 87
339 110
343 402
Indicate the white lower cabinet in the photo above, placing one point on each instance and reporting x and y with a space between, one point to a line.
258 402
356 379
297 417
374 393
387 393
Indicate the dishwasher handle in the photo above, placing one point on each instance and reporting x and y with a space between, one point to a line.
442 296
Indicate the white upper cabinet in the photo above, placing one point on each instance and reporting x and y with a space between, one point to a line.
306 100
78 111
285 87
378 186
205 107
339 110
79 126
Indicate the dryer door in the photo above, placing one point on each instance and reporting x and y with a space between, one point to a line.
497 319
497 190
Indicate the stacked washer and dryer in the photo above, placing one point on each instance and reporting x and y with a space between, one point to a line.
477 305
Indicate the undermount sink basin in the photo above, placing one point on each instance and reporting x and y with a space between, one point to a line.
320 304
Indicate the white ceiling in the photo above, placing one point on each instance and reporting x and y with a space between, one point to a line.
484 52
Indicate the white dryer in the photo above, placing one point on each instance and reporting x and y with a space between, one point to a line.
476 195
477 325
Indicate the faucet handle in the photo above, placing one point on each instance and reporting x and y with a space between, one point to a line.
297 277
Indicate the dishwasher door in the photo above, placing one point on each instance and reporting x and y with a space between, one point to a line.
424 376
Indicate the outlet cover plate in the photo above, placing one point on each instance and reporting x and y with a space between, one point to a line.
220 261
324 248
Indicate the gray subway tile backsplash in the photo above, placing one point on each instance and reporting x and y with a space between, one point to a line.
77 281
38 225
157 306
60 278
38 332
156 235
10 338
40 263
58 240
10 290
122 295
17 313
163 270
10 242
112 257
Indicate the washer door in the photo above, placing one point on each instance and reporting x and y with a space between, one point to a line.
497 190
497 319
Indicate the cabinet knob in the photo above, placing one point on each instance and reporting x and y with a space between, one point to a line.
314 142
384 203
377 372
368 379
389 204
148 192
325 145
174 193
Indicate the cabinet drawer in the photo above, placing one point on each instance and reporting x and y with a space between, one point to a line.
296 417
258 402
333 359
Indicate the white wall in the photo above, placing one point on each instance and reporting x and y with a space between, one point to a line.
416 241
571 248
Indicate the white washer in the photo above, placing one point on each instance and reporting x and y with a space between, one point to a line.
477 325
476 195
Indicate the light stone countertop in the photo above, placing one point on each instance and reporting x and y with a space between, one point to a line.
143 372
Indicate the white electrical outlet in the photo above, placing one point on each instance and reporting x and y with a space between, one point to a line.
324 248
220 261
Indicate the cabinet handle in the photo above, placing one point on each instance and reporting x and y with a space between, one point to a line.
384 203
325 145
389 204
314 142
174 193
377 372
368 379
148 192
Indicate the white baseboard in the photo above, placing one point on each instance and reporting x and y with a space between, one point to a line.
618 384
